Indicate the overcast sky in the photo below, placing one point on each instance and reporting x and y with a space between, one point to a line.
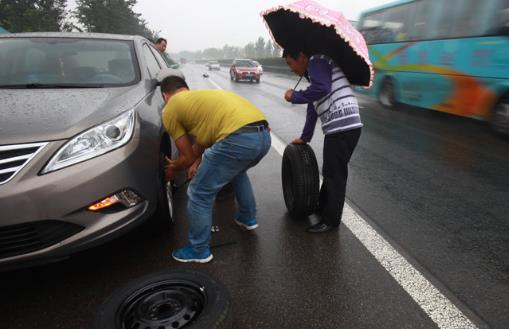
199 24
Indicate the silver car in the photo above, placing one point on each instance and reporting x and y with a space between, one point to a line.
82 145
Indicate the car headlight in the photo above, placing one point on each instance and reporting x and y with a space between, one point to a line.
94 142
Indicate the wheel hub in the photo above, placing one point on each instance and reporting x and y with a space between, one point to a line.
168 305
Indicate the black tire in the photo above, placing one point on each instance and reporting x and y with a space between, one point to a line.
165 208
301 181
171 299
499 120
387 95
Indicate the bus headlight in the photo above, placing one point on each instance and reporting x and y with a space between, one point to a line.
94 142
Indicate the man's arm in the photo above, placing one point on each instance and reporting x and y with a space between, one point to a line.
309 126
320 76
198 151
186 157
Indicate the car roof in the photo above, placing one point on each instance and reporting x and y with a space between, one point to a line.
81 35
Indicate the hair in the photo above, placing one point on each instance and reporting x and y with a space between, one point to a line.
294 52
160 40
172 83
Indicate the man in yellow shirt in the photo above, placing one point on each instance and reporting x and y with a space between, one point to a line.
230 136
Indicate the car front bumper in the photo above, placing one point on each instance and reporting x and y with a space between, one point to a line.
45 217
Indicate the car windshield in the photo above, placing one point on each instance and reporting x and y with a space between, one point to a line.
244 63
66 62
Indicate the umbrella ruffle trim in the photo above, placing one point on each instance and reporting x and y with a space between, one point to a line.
326 23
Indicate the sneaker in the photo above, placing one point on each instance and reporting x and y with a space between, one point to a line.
187 254
249 225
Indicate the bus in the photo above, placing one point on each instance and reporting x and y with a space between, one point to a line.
447 55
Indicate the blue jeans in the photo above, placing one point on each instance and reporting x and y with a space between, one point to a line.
224 162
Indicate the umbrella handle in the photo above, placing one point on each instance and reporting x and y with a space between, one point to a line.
298 82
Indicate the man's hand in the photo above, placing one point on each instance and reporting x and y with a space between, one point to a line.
192 170
288 95
298 141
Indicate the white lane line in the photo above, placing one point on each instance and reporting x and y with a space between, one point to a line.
438 307
214 83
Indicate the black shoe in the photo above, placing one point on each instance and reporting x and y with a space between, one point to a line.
320 228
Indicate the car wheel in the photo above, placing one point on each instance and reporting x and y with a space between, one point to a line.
499 120
166 190
171 299
301 182
387 95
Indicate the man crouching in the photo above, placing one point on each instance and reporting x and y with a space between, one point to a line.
230 136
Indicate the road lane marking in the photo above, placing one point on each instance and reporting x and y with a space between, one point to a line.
438 307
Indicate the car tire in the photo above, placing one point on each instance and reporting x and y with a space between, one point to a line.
499 120
171 299
301 181
165 206
387 95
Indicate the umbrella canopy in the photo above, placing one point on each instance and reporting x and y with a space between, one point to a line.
309 26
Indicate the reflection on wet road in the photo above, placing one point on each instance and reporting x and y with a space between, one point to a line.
433 186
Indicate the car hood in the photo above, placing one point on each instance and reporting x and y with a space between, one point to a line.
39 115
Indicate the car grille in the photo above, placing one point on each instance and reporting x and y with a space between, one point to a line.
14 157
24 238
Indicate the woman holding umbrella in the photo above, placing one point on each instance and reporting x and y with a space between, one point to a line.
330 97
321 45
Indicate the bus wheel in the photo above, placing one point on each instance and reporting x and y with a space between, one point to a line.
500 116
387 96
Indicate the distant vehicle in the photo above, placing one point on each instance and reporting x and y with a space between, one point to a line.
450 56
213 65
259 67
244 69
82 145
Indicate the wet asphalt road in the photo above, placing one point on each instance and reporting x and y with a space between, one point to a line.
433 185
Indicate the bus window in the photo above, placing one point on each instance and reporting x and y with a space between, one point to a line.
371 28
459 18
418 26
396 23
499 23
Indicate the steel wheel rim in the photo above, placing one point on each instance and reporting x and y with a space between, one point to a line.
169 198
168 304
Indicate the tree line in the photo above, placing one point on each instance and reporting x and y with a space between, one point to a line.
108 16
261 48
102 16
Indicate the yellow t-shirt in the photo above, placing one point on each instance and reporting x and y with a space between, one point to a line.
208 115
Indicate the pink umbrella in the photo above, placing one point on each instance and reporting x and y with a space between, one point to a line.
308 25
